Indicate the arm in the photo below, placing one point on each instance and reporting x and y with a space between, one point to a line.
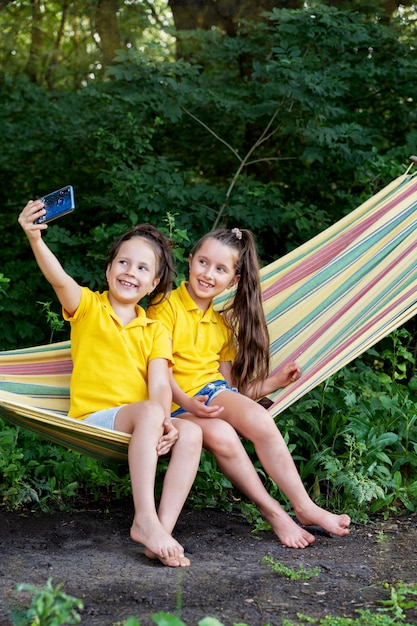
194 405
159 390
66 288
289 373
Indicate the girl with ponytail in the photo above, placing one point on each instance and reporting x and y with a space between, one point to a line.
221 367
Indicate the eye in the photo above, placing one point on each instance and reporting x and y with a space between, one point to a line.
143 268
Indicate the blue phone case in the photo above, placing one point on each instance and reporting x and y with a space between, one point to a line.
57 203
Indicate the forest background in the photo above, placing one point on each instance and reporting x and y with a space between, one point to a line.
280 117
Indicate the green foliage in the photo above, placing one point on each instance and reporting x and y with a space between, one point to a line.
286 572
3 282
365 618
38 473
211 488
399 601
50 606
56 323
179 238
356 435
282 128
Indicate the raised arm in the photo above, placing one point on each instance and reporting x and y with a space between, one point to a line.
66 288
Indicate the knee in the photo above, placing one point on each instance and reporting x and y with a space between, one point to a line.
148 412
221 438
262 427
140 415
190 434
150 409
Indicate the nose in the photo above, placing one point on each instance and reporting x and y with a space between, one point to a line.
208 271
129 269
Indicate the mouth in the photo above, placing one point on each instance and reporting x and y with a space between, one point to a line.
204 285
127 285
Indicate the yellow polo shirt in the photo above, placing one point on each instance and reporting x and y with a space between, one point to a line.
199 340
110 359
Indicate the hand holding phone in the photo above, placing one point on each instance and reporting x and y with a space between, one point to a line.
56 204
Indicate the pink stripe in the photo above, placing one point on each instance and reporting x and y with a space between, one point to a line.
352 302
37 369
329 251
320 365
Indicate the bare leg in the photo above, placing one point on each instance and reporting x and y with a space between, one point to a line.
254 423
180 475
144 421
224 442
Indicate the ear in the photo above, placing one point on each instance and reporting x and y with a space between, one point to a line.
107 271
234 281
155 282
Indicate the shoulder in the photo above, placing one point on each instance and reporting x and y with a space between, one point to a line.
89 301
156 310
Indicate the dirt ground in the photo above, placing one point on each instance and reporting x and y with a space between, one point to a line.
90 552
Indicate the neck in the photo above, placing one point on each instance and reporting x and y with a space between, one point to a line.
125 312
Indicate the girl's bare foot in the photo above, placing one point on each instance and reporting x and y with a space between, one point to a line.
287 530
179 561
316 516
158 542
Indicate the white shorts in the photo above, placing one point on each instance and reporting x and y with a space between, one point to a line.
104 418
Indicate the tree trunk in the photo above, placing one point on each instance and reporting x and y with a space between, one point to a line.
33 66
108 30
225 14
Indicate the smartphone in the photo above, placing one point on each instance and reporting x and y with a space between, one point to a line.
57 203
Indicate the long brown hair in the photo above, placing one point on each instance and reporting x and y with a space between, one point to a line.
244 312
163 252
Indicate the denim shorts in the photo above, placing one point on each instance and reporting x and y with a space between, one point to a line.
104 418
211 390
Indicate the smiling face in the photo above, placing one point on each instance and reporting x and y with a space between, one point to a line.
132 273
212 270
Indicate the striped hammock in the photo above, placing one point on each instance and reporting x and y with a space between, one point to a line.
326 303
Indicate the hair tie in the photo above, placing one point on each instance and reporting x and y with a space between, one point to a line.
237 232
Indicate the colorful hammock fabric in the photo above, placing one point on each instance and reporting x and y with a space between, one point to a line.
326 303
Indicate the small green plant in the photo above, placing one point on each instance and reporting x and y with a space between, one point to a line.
55 321
3 281
381 537
50 606
255 519
282 570
365 618
180 239
398 601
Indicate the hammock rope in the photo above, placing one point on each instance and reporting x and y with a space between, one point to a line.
326 303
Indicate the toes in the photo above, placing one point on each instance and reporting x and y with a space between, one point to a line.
169 560
172 561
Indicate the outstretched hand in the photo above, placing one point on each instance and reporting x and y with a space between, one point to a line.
289 373
32 211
